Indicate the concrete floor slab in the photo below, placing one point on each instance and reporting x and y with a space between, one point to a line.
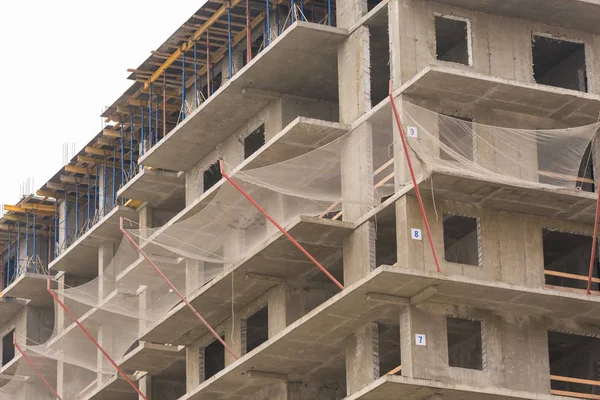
152 358
18 365
81 258
32 287
304 350
278 258
557 203
573 14
473 89
157 188
115 388
405 388
10 307
273 72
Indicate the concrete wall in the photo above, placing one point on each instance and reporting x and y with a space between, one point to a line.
501 46
511 243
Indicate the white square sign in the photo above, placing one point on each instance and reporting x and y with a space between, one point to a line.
412 131
415 234
420 339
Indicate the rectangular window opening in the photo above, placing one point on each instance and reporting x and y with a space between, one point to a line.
465 343
380 63
567 259
461 240
214 359
457 138
212 175
452 39
257 329
389 349
573 357
8 347
386 249
254 141
559 63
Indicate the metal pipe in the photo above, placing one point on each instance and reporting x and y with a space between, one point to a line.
157 131
195 74
76 209
37 372
122 153
208 69
293 8
114 181
142 138
329 12
16 266
278 20
281 229
176 291
248 33
56 227
104 186
268 24
9 251
164 102
131 146
594 243
89 201
96 191
34 244
183 86
150 134
230 48
26 239
85 331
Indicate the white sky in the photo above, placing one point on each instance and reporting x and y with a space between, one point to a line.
61 63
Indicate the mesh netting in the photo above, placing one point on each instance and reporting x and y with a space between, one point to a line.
129 297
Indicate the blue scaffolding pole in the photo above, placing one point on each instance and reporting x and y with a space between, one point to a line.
96 191
34 244
104 187
131 148
277 20
183 87
195 75
114 181
122 153
56 226
9 251
268 24
156 112
329 12
26 239
142 138
66 217
76 209
293 8
150 134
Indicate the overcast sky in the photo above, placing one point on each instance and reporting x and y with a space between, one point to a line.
61 63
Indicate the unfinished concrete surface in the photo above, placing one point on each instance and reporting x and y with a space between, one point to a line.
507 316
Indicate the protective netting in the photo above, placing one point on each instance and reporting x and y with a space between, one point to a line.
225 228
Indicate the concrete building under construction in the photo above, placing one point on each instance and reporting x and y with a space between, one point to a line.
320 199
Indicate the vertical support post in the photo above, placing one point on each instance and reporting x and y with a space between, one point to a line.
142 138
208 80
89 200
26 240
196 74
9 251
114 181
156 132
278 20
301 9
268 23
76 209
66 217
248 34
104 187
229 47
34 244
16 266
329 12
122 143
87 333
164 103
96 191
56 226
594 243
131 130
182 87
150 134
293 8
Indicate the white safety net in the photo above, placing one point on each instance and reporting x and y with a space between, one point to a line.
223 229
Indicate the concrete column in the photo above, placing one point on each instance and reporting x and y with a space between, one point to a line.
106 278
362 357
234 337
193 366
194 184
146 218
349 12
60 313
194 275
106 340
145 386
